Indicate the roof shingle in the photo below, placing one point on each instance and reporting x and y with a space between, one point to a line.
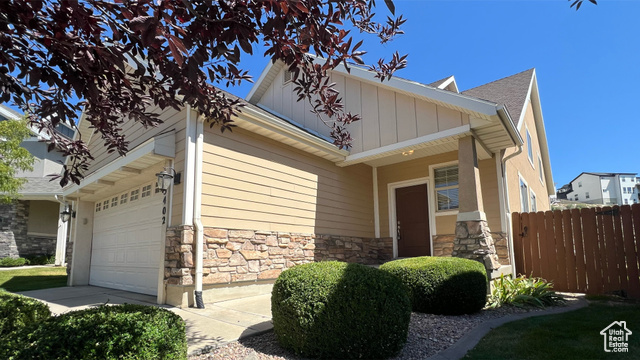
510 91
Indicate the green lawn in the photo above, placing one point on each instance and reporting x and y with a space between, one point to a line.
33 279
572 335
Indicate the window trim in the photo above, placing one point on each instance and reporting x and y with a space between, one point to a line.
434 195
284 77
522 180
540 170
532 204
529 140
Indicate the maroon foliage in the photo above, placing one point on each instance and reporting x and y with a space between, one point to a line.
116 60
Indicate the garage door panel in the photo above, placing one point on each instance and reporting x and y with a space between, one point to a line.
127 245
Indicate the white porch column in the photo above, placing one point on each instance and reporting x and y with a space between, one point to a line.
61 238
83 236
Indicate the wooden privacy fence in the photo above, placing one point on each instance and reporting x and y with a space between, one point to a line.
593 251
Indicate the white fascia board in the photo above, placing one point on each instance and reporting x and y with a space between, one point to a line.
40 196
258 83
526 101
542 134
450 81
399 147
505 118
284 128
145 148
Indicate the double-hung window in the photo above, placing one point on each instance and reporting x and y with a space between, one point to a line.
446 186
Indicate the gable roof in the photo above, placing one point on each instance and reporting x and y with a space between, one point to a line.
437 83
512 91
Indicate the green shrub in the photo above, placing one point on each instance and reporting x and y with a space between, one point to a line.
11 262
338 310
18 312
41 260
107 332
442 285
523 291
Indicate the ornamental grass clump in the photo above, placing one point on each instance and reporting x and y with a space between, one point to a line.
522 292
442 285
338 310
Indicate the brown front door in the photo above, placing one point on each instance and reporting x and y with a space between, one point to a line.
412 221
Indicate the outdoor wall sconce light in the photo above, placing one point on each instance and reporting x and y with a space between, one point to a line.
164 179
67 213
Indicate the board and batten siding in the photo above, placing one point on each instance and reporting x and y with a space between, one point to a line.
419 168
388 116
251 182
136 134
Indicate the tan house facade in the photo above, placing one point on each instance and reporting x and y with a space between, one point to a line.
432 171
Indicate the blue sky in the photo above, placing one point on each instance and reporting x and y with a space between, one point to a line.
587 63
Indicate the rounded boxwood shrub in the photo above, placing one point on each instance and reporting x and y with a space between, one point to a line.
18 312
442 285
337 310
107 332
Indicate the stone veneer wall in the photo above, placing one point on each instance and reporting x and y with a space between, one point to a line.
443 246
244 255
13 227
37 245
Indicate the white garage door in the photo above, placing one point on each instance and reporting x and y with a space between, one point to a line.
127 241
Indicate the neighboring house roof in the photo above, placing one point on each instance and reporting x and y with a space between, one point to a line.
435 84
448 83
600 174
40 186
7 113
512 91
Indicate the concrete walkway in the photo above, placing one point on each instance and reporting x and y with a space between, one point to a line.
219 323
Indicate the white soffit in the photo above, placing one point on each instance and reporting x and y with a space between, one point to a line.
135 164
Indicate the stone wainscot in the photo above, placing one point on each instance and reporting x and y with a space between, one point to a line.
240 256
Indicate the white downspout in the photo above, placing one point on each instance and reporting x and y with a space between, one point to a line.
505 188
197 211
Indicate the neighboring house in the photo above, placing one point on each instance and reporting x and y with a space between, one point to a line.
602 188
31 226
432 171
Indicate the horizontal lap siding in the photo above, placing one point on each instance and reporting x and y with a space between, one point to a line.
252 182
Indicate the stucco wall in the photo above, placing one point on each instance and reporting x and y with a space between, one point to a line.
521 166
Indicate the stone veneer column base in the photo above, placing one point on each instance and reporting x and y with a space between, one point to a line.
245 257
473 241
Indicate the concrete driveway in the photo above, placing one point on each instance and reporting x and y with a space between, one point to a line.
219 323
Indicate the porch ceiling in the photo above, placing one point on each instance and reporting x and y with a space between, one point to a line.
140 164
121 179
